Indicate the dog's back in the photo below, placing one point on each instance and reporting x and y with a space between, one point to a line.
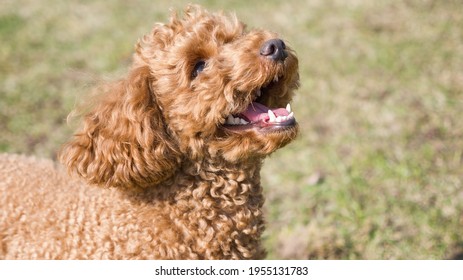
42 214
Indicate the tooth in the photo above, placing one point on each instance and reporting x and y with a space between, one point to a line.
291 115
278 119
275 79
283 118
243 121
237 120
259 92
230 120
288 108
272 116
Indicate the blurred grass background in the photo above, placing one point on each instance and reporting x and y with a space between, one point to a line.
378 168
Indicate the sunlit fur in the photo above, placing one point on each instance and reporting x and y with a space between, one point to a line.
174 182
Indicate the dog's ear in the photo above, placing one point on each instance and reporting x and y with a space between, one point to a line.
123 141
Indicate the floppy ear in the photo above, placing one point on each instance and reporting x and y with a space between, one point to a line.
123 141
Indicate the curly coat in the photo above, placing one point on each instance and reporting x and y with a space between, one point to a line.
164 169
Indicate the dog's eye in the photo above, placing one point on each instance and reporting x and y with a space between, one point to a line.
199 67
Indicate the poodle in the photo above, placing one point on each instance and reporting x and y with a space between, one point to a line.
166 161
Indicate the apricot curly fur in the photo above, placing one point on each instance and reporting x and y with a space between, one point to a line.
161 174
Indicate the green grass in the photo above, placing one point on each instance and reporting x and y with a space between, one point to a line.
378 168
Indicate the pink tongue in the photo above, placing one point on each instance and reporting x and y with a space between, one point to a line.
256 112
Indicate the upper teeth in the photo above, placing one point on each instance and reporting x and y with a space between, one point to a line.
235 121
259 92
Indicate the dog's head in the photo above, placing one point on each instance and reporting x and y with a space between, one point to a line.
201 86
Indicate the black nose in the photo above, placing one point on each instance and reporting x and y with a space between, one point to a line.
274 49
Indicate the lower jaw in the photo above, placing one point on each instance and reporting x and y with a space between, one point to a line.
251 144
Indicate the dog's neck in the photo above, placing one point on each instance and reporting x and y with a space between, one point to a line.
234 181
235 192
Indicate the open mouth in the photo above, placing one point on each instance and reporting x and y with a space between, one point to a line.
258 115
